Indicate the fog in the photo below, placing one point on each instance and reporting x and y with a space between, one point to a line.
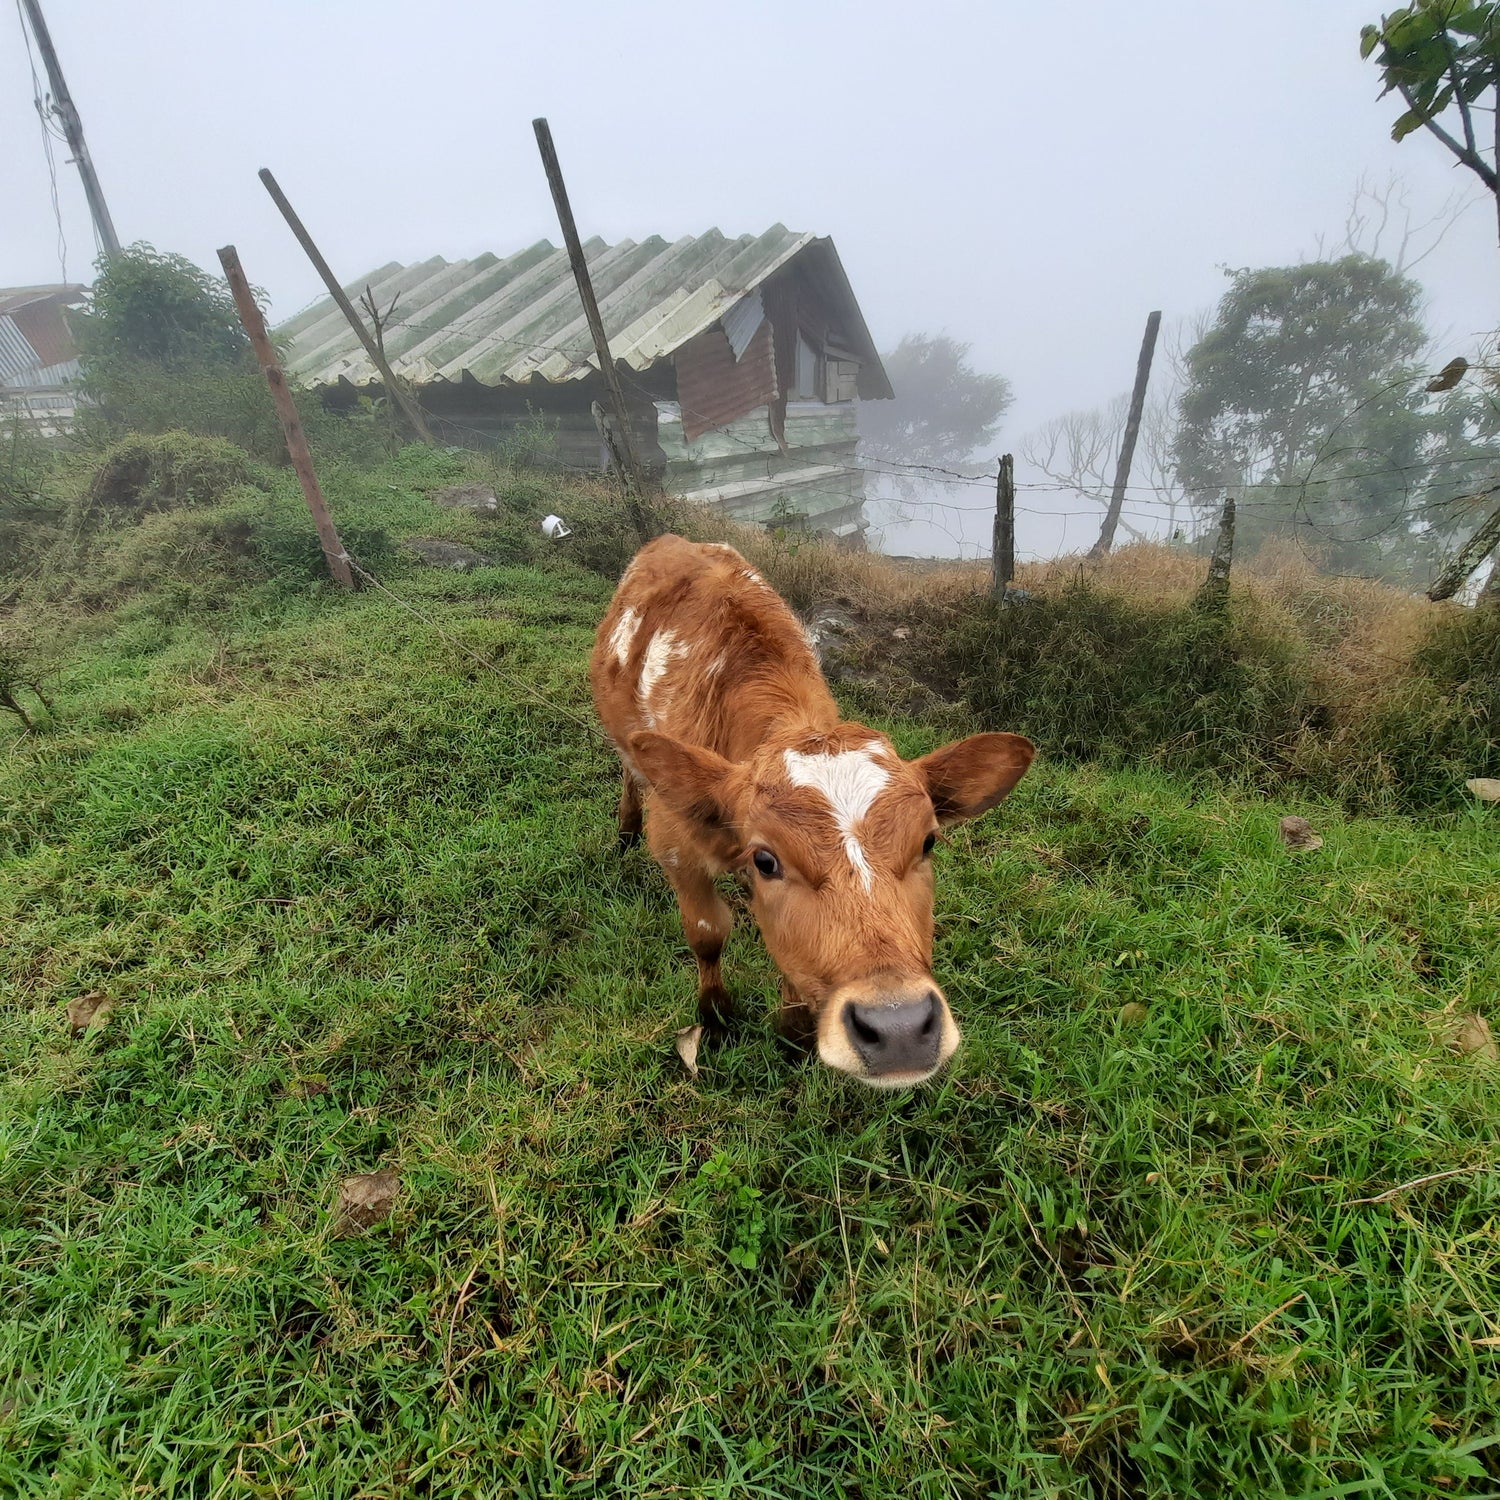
1029 179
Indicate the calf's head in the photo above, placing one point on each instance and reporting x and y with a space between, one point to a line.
835 834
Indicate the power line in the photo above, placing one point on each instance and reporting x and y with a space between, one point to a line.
48 136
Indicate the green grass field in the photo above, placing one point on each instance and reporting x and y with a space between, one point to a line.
357 905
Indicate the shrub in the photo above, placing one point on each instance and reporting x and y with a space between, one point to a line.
28 515
167 472
286 543
154 308
188 556
1429 729
1095 675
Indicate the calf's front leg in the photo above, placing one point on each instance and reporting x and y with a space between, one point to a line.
628 814
706 918
795 1023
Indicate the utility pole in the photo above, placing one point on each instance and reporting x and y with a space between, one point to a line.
634 483
67 114
286 408
395 388
1127 446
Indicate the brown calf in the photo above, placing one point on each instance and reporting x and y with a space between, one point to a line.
713 698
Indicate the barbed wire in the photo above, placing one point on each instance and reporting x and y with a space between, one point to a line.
1147 505
879 463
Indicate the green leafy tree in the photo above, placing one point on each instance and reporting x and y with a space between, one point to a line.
944 409
156 312
162 349
1442 56
1305 398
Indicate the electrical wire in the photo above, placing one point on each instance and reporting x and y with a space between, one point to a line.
49 135
1139 497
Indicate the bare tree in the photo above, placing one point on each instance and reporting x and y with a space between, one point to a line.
1078 451
1381 224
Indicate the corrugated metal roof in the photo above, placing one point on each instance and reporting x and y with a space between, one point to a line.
36 345
504 321
17 358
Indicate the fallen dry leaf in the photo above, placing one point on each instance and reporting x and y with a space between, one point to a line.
88 1011
1449 375
1471 1035
364 1201
1132 1013
687 1048
309 1087
1486 788
1297 833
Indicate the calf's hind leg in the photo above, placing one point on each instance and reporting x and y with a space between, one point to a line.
706 918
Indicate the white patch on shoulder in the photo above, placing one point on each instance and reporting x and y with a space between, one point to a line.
672 858
851 781
621 637
715 666
662 651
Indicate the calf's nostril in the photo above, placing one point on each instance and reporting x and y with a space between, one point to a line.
862 1028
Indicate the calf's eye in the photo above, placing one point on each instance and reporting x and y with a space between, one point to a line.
927 844
767 863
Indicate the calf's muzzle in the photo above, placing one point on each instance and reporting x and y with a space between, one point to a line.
889 1035
899 1037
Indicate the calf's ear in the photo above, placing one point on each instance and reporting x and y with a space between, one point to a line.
970 776
692 781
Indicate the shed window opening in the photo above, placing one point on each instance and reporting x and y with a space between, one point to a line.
807 386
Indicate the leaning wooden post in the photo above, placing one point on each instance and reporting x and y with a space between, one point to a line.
286 409
1003 546
1469 558
1127 444
635 484
399 394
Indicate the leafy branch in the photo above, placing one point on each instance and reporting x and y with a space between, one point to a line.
1437 55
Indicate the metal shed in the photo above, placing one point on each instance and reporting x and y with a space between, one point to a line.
742 361
38 358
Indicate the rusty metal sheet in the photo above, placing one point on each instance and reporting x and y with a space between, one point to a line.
713 387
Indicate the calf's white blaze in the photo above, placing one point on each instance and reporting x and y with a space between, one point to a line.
623 634
850 781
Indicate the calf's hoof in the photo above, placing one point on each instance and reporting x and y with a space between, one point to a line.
716 1013
796 1030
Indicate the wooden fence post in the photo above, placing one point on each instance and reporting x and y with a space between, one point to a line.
1215 590
635 484
1127 443
286 409
1003 544
398 392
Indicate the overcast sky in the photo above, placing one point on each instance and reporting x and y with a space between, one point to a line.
1030 178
